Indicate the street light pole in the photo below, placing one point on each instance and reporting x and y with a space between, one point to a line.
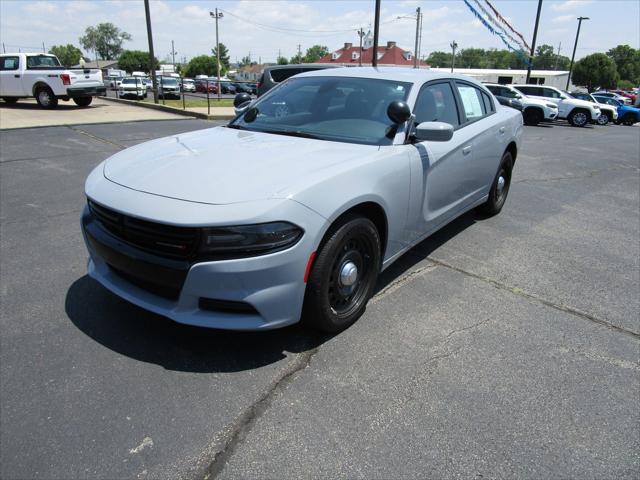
533 44
575 46
152 65
415 51
376 31
217 15
360 34
173 56
454 46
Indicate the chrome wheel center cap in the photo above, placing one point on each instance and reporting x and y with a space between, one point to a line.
500 186
348 274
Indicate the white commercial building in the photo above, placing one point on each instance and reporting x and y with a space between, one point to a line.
553 78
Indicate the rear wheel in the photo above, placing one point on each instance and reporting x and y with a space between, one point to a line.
578 118
500 188
533 116
629 119
46 98
343 276
10 100
83 101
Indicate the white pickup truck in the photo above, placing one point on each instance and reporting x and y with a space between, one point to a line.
41 76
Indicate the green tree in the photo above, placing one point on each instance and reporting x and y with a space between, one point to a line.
105 40
296 59
546 59
224 57
627 60
136 60
595 70
282 61
472 58
315 53
439 59
202 65
246 60
67 54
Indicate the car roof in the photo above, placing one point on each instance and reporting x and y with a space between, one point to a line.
413 75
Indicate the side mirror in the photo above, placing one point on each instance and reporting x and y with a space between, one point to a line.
241 102
434 131
399 112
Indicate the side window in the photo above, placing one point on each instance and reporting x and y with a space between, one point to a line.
531 91
436 103
550 93
472 102
488 104
281 74
9 63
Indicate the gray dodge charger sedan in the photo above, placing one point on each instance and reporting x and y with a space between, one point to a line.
291 210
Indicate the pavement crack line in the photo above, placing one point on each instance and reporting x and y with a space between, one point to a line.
532 296
245 422
396 284
94 137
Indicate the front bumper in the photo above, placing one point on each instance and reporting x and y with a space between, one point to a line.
271 285
74 92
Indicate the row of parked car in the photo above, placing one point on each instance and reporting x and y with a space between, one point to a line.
545 103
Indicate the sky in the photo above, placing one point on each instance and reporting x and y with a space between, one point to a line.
263 28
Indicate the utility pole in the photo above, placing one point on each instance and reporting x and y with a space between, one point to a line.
360 34
420 37
4 50
217 15
575 45
43 49
555 67
533 43
299 53
454 46
152 65
173 55
415 51
376 31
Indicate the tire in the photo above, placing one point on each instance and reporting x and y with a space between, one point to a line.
604 118
83 101
579 117
532 116
343 276
45 98
629 119
10 100
499 188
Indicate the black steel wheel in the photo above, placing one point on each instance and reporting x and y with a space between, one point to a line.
344 274
83 101
500 187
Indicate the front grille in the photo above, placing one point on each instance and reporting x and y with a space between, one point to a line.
169 292
157 238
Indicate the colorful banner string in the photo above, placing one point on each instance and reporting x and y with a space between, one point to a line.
499 34
508 25
497 25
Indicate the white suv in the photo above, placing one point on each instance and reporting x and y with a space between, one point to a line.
577 112
534 110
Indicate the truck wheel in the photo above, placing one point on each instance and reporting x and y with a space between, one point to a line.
10 100
578 117
343 275
532 116
83 101
46 98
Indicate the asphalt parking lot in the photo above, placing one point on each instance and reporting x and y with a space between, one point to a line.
505 347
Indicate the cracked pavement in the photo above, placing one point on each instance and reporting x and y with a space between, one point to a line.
506 347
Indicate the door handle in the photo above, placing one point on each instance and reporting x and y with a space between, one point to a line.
17 76
501 130
466 150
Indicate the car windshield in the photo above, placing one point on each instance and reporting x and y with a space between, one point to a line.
169 81
130 81
341 109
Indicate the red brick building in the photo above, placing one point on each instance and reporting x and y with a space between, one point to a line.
390 54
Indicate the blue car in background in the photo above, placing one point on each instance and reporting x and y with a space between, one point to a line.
627 115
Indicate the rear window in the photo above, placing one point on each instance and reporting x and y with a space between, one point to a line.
281 74
9 63
39 61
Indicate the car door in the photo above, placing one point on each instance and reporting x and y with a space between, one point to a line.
440 171
10 78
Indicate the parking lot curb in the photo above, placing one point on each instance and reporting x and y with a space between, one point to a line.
165 108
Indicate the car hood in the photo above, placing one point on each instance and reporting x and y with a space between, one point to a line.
222 165
580 103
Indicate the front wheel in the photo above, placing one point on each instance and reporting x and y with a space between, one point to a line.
46 98
578 118
532 116
83 101
603 119
343 276
500 188
629 119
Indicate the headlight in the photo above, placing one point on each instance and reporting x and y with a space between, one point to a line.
552 105
249 239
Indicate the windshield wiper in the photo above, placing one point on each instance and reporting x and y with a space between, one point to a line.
292 133
237 127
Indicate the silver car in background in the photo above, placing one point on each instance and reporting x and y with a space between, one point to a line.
292 209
